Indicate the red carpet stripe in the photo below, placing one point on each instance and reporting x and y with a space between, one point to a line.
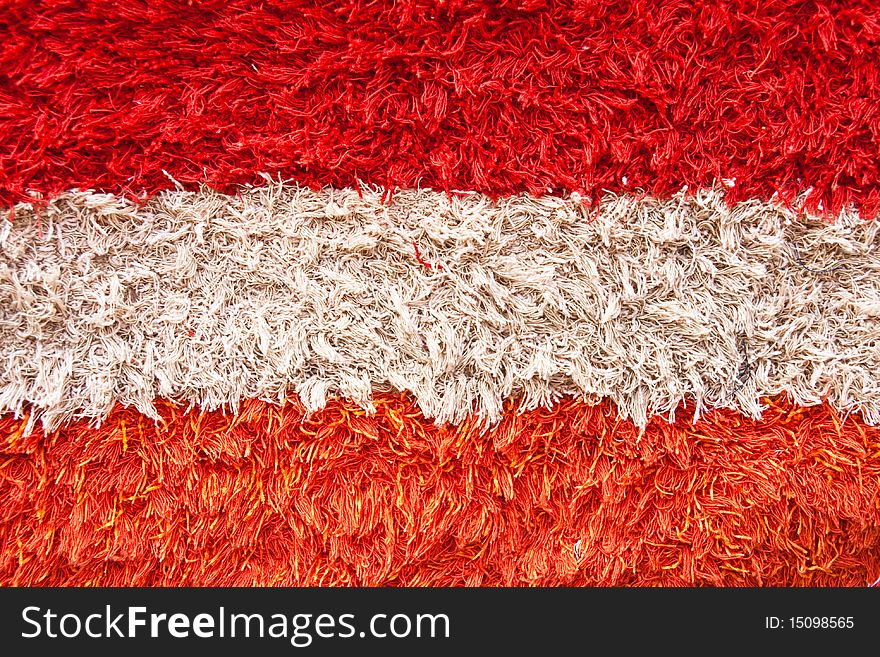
494 97
569 496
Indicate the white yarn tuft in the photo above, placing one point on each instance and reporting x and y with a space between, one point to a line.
462 301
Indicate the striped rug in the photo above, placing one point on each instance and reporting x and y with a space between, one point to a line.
439 293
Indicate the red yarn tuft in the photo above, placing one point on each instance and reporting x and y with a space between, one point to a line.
567 496
777 96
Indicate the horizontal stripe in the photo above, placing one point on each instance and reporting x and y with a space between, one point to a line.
500 99
461 301
572 496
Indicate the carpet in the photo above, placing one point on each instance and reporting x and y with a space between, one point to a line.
439 293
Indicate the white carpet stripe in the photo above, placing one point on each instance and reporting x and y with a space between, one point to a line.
212 299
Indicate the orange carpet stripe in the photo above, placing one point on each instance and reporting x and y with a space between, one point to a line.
566 496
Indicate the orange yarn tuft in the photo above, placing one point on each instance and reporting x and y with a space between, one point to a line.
566 496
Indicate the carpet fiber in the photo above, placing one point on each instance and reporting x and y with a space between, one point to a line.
568 496
499 97
439 293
